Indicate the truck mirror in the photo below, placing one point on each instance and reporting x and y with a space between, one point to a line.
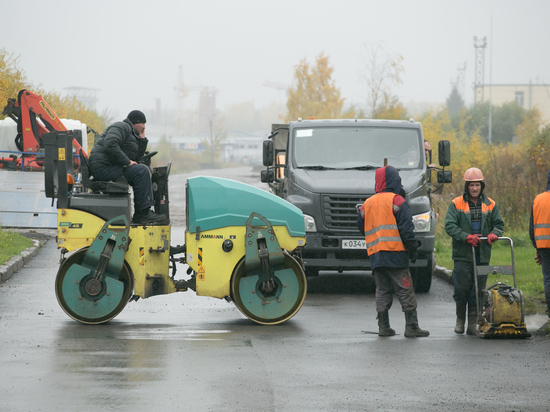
268 153
444 176
267 176
444 150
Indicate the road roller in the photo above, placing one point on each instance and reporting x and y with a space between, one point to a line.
242 244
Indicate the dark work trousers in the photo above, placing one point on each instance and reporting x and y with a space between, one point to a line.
463 280
398 280
545 256
138 176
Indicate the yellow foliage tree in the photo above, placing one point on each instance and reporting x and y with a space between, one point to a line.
12 80
514 173
315 93
391 109
381 73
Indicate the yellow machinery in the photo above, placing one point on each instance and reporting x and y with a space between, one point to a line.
500 308
241 244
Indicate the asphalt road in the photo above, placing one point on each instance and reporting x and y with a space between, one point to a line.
184 352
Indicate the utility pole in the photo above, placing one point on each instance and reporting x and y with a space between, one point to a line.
461 81
490 134
479 68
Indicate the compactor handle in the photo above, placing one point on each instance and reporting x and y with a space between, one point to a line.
503 269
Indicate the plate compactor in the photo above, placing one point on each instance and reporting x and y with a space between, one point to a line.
242 244
500 308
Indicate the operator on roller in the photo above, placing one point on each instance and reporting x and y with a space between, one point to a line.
469 217
386 221
115 154
539 232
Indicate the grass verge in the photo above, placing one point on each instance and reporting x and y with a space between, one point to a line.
12 244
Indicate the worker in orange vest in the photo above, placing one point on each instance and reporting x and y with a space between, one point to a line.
539 232
469 217
386 222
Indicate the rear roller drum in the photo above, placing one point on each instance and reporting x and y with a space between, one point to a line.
89 300
270 303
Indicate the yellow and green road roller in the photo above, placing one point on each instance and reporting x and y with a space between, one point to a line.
242 244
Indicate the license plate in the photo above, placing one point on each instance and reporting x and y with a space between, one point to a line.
354 244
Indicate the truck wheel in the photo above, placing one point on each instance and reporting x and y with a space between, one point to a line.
422 277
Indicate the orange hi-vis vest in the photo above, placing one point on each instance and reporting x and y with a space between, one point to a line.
541 220
380 225
462 206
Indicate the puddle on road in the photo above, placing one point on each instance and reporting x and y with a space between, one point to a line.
535 322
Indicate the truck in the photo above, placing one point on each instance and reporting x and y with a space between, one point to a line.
326 168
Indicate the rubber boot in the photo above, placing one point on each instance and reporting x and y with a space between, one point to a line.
384 324
412 330
472 320
460 318
547 298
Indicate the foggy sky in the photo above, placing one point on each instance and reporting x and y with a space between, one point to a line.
132 50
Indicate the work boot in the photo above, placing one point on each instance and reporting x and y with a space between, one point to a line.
472 321
460 318
147 216
384 324
412 330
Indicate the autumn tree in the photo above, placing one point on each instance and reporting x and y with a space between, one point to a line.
12 80
390 109
505 120
455 105
382 72
314 93
213 144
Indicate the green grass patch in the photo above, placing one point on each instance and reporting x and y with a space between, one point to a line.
528 273
12 244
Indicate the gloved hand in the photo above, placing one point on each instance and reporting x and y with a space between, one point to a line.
473 240
538 259
491 238
413 256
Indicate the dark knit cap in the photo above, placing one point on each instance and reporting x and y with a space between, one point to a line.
135 116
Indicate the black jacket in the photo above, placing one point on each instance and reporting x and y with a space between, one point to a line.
118 145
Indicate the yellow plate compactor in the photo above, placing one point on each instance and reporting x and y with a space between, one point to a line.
500 308
242 243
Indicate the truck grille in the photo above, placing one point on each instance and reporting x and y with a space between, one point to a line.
340 212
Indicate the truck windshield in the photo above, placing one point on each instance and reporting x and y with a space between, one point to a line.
357 147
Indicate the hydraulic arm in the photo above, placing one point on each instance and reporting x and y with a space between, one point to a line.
34 117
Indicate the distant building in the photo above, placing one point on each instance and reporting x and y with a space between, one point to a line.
237 147
85 95
527 96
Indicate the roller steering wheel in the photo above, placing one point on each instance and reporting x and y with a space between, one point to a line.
147 157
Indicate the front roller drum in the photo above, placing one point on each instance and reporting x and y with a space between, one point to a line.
87 300
278 302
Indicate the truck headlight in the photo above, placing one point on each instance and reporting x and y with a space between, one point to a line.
310 224
421 222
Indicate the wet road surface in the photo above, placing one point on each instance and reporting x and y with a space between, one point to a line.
184 352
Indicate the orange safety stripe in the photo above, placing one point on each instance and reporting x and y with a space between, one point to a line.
541 220
462 206
381 231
